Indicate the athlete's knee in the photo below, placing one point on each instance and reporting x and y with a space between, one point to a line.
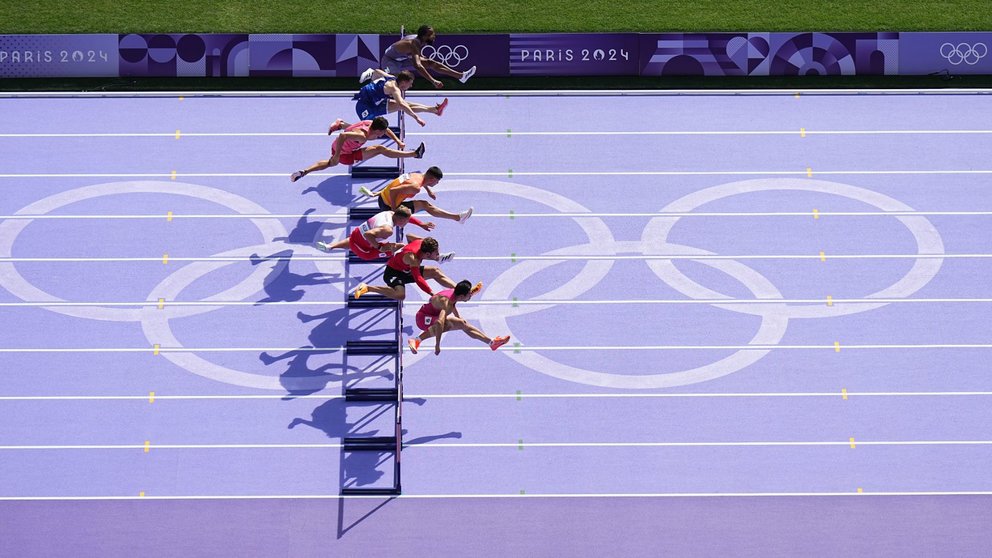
375 149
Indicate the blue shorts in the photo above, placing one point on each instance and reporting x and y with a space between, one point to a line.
368 111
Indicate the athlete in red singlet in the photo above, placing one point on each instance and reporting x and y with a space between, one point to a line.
405 267
440 314
370 240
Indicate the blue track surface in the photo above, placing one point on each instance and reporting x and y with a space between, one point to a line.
727 320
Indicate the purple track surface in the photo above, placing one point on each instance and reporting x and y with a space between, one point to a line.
777 373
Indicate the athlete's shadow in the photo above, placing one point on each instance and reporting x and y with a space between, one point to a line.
307 232
336 190
280 285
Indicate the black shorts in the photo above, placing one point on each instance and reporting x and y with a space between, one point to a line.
395 278
407 204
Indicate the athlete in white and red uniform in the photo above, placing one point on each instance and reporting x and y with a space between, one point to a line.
405 267
370 239
440 314
348 147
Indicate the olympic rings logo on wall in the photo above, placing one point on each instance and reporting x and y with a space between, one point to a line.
447 55
964 53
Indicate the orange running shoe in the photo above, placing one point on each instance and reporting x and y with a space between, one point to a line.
361 289
476 288
499 342
441 106
414 344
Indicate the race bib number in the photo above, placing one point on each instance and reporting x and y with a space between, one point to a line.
428 320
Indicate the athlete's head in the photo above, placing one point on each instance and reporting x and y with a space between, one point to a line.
462 290
432 176
404 80
429 249
401 216
378 127
426 34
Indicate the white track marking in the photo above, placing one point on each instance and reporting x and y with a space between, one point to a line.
617 133
343 217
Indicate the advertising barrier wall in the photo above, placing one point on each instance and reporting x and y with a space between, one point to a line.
502 55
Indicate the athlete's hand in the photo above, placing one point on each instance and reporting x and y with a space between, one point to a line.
428 226
438 84
431 194
401 145
437 349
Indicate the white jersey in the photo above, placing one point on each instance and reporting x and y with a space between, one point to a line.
376 221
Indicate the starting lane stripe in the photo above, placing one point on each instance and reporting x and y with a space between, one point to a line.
514 258
513 445
517 396
516 348
512 303
408 496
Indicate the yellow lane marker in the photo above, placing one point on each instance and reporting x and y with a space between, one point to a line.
823 257
168 217
852 443
148 446
156 348
809 172
816 213
843 393
141 494
173 175
165 259
181 98
836 346
797 95
861 490
151 396
830 300
802 132
161 303
177 134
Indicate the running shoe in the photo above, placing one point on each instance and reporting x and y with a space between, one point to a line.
296 176
361 289
464 215
467 74
322 246
499 342
366 75
476 288
419 152
337 125
441 106
366 192
414 344
446 257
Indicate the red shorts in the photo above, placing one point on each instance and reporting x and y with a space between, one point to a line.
349 157
425 321
360 246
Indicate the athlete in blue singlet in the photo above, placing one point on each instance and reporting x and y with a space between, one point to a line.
385 94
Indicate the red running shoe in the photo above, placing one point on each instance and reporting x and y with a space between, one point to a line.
499 342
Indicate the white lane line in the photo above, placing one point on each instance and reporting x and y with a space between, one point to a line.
503 133
408 496
832 347
515 173
408 396
514 258
343 217
534 302
513 445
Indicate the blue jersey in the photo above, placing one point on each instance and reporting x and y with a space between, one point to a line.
373 94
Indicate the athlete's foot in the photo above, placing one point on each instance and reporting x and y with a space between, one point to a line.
441 106
467 74
446 257
322 246
366 192
464 215
419 152
414 344
361 289
338 124
297 175
498 342
476 288
366 75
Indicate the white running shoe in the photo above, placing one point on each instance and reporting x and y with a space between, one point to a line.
366 75
446 257
366 192
464 215
322 246
296 176
467 74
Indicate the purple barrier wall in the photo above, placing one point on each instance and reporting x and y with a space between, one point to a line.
558 54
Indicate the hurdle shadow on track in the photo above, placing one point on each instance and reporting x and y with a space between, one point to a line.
337 190
281 284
